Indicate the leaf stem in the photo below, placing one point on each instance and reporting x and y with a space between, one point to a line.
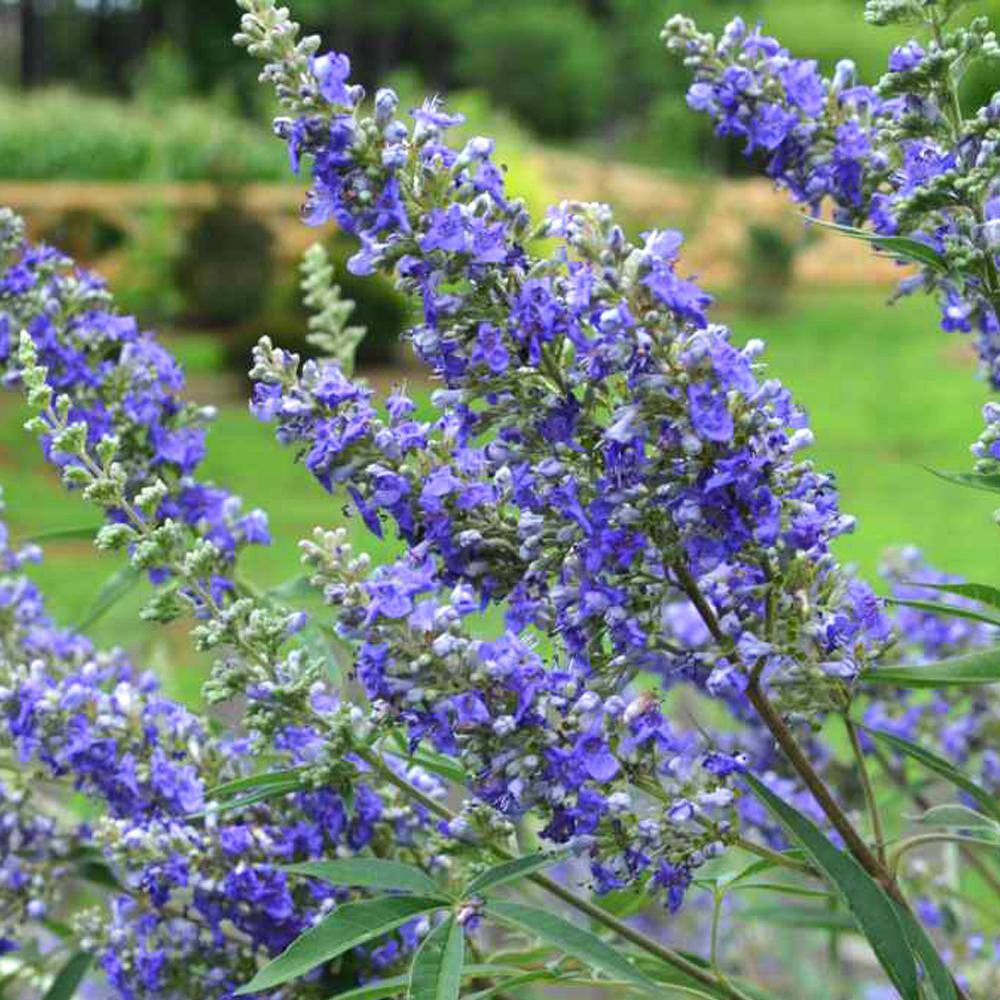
797 758
875 817
922 802
777 858
911 843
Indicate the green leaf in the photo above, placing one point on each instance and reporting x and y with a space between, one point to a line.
948 610
372 873
807 918
871 908
98 873
436 763
64 534
988 481
671 978
112 591
903 247
539 975
939 766
436 972
296 587
572 940
783 888
345 928
981 592
259 788
958 817
396 986
969 670
69 977
509 871
254 781
622 903
378 990
316 641
936 971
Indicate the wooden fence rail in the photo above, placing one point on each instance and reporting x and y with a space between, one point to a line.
715 214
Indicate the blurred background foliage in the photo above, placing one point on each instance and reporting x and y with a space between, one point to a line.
122 92
571 71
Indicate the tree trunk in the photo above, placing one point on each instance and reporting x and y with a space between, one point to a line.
30 45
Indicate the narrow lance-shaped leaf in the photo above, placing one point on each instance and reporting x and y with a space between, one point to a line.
572 940
64 534
958 817
539 976
510 871
380 989
345 928
781 889
257 790
939 766
372 873
111 592
988 481
970 670
255 781
436 763
982 592
947 610
807 918
436 972
69 977
905 247
937 972
871 908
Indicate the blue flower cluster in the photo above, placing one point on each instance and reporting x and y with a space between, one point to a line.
119 384
187 893
193 900
605 466
607 514
601 453
899 157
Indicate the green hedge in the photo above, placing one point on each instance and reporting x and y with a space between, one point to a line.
61 135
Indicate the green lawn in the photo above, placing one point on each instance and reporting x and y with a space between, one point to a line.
886 391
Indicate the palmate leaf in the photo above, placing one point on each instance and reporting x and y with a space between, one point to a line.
436 972
69 977
345 928
572 940
510 871
370 873
969 670
939 766
871 908
905 248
